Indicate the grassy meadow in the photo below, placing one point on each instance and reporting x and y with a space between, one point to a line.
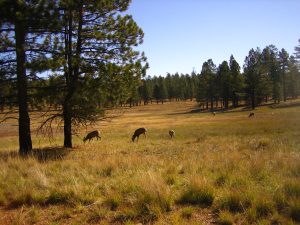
223 169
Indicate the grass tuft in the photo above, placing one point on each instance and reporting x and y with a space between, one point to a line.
235 203
113 203
292 190
96 215
225 218
221 180
187 212
294 211
264 208
201 196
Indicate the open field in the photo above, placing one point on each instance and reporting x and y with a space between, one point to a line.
223 169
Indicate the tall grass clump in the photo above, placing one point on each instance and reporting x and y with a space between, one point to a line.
294 211
261 208
187 212
150 197
202 196
225 218
292 190
234 202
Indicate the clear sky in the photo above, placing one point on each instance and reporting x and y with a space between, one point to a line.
182 34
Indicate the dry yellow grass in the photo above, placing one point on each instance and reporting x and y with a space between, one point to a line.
218 169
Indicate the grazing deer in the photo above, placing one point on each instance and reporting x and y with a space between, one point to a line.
251 115
214 113
138 132
91 135
172 133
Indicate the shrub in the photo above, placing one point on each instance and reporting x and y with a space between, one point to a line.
201 196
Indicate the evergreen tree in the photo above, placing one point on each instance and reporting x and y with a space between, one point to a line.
23 48
293 79
253 76
93 34
283 60
225 87
237 82
297 54
270 68
208 82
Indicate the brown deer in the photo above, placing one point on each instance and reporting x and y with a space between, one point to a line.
138 132
91 135
172 133
251 115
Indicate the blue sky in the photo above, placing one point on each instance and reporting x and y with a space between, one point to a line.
182 34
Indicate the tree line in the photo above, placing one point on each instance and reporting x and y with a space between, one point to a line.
268 75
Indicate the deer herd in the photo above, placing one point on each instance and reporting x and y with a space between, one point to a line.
137 132
135 136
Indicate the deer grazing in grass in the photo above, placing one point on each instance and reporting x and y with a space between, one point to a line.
172 133
91 135
138 132
251 115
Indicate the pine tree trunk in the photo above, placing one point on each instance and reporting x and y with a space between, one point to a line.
253 100
67 125
25 144
284 87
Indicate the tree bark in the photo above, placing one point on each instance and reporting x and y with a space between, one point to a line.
253 100
67 108
284 86
67 125
25 144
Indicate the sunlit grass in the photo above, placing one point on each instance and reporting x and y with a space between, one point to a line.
225 169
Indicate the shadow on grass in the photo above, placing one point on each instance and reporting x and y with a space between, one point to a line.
285 105
241 108
42 154
219 110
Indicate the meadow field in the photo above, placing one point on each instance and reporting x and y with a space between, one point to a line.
223 169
